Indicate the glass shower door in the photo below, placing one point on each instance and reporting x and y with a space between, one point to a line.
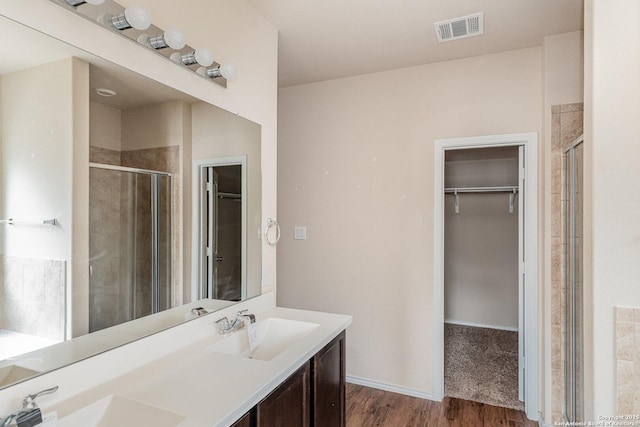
129 244
574 337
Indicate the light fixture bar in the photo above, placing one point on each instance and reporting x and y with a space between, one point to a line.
134 23
76 3
188 58
120 22
213 72
158 42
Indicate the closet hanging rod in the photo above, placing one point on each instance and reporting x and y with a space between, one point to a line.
504 189
223 195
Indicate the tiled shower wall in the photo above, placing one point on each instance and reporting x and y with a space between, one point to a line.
32 297
628 360
566 126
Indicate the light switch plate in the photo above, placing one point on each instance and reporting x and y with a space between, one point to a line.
299 232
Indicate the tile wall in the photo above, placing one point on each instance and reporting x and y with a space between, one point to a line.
32 297
628 360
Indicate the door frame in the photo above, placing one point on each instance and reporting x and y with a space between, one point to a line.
196 256
530 143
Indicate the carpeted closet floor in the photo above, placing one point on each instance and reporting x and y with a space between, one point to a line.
481 365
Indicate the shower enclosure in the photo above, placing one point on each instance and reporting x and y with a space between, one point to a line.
574 338
129 244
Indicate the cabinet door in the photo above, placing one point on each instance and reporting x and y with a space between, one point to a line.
288 405
245 421
328 367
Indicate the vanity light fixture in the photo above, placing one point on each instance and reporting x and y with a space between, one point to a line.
171 38
76 3
117 18
227 71
133 17
203 57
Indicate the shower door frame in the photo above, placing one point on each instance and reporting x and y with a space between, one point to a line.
528 302
155 250
574 396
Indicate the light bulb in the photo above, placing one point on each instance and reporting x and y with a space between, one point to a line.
137 17
174 38
204 57
94 2
228 71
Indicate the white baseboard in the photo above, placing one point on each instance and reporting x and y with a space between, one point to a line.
389 387
480 325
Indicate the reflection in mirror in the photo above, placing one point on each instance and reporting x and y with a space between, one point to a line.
115 173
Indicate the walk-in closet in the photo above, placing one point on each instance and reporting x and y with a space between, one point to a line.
481 275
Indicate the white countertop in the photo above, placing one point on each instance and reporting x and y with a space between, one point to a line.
208 388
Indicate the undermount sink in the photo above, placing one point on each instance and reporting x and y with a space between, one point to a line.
14 373
119 411
274 335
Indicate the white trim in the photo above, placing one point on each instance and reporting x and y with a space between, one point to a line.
530 143
389 387
195 216
481 325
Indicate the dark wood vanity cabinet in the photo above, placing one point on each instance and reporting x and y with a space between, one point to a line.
328 390
289 404
313 396
245 421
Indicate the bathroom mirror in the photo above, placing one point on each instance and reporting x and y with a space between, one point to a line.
98 209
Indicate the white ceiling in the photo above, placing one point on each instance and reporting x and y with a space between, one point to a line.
327 39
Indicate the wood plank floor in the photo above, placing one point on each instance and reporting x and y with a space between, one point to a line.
368 407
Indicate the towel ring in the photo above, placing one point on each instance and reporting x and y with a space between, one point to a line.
272 223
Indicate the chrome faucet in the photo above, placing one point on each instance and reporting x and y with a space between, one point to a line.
28 405
225 326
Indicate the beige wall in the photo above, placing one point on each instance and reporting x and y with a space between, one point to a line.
105 130
612 132
37 145
356 167
45 112
481 244
153 126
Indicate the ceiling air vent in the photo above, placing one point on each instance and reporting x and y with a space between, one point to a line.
459 28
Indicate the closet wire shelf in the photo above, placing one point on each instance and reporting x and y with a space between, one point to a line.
456 191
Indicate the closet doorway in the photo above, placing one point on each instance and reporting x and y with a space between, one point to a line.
220 246
485 285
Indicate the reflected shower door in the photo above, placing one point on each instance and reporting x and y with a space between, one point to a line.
129 244
574 338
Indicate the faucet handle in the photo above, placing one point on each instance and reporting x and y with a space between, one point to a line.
29 402
223 325
243 313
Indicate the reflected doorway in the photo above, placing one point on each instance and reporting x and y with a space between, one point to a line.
221 219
